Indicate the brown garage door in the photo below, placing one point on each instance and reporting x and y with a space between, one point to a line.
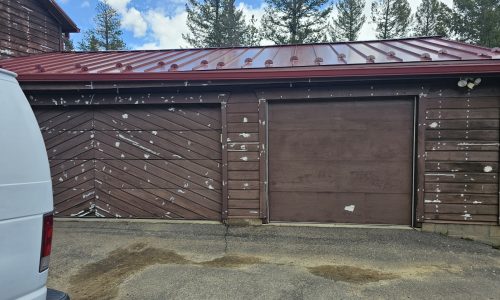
149 162
343 161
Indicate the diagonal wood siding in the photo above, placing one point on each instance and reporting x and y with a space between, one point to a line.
154 162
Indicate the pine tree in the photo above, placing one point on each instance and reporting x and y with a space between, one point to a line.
392 17
89 42
68 44
107 33
218 23
477 21
348 22
295 21
432 18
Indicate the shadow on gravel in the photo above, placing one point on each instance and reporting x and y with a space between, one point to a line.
350 274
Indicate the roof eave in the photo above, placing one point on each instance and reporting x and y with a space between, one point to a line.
67 24
386 70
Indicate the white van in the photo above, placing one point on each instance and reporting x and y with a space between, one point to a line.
26 203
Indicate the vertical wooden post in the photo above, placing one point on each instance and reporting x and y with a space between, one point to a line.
263 161
420 162
225 213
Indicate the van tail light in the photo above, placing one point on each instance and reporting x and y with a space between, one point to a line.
48 228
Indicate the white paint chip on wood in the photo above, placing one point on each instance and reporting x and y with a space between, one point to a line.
350 208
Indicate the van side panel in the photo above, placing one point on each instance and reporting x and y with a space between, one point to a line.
25 195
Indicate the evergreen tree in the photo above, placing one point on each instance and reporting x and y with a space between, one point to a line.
295 21
348 22
477 21
106 34
218 23
89 42
68 44
432 18
392 17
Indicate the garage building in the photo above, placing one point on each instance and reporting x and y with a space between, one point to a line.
377 132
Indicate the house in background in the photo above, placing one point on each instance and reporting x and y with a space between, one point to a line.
32 26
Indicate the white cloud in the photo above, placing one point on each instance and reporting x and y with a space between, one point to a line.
85 4
119 5
166 31
133 20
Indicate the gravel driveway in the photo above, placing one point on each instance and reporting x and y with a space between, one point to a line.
155 260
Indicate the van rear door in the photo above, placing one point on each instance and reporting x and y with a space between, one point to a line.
25 194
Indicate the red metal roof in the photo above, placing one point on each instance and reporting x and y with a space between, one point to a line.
413 56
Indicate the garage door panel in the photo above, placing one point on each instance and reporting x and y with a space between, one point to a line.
170 208
340 207
185 117
388 209
315 207
116 178
339 176
70 145
130 205
341 161
69 168
320 115
72 178
129 159
173 175
341 145
196 166
134 173
128 119
177 143
63 120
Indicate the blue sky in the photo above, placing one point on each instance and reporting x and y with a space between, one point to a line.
159 24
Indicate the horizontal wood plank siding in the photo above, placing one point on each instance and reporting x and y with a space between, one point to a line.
27 28
461 158
243 156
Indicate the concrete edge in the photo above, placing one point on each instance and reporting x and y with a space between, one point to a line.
343 225
147 221
238 223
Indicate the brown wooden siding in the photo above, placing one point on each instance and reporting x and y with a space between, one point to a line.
243 156
461 158
149 162
27 28
465 119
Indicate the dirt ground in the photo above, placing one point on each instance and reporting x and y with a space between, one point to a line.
151 260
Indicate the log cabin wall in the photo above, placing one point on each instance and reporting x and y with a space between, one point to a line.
456 143
26 27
